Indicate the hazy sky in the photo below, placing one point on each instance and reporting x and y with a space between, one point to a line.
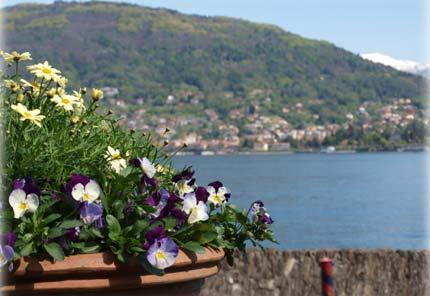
392 27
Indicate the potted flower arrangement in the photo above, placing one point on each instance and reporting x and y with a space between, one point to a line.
90 206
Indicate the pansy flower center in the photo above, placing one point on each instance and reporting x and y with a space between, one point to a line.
217 198
160 255
23 205
86 197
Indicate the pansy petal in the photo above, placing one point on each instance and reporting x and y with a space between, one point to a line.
78 192
32 202
16 197
211 190
189 202
8 253
223 191
202 211
93 190
18 211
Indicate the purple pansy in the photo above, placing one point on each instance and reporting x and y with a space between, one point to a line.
217 193
28 185
24 197
186 174
6 256
7 242
154 234
8 238
265 218
259 213
202 194
74 180
158 200
162 253
83 189
148 182
73 233
91 213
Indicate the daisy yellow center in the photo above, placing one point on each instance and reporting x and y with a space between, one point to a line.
86 197
22 205
65 101
160 255
116 156
46 71
27 115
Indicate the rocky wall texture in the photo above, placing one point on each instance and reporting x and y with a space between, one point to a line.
356 272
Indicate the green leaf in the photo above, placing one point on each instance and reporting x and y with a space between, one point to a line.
87 247
54 250
148 209
194 246
136 250
170 222
126 171
26 250
51 218
55 232
70 224
139 226
207 237
96 232
149 267
113 224
118 208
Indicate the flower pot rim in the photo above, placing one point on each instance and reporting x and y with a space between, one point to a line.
101 271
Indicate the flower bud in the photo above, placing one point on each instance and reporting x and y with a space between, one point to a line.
83 91
20 98
75 119
51 92
97 94
166 142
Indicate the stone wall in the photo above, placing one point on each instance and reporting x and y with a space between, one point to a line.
356 272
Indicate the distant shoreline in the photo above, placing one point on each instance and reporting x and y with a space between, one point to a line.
321 151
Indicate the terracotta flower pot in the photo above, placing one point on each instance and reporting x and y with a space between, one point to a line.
93 273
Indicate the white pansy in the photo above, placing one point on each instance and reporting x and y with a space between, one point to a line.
217 197
197 211
183 187
22 202
90 192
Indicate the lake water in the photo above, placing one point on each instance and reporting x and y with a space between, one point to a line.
357 200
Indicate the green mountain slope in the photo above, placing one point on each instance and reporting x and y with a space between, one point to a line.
223 63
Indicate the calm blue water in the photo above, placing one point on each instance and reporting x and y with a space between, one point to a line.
369 200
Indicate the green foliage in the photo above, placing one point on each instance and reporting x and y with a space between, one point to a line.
153 53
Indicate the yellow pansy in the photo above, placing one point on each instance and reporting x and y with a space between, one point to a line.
31 115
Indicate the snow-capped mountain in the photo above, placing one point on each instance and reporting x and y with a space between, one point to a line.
401 65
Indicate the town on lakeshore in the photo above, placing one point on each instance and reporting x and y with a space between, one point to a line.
399 126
